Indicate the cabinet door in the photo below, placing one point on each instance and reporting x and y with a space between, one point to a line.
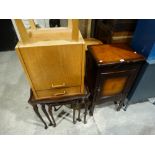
115 83
53 67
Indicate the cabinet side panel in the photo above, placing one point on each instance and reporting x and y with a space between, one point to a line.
83 64
51 66
25 70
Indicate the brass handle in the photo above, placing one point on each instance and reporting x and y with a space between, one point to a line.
58 86
58 94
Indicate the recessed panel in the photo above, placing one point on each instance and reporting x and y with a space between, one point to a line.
113 86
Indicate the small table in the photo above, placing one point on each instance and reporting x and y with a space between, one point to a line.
76 102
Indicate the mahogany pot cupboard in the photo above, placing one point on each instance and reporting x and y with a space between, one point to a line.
110 73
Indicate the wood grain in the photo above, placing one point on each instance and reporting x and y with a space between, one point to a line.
53 60
113 86
110 54
53 65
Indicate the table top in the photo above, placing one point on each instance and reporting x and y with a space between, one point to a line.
109 54
60 99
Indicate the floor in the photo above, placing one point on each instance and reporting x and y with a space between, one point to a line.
17 117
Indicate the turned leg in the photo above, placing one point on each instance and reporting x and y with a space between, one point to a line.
79 112
56 109
91 112
74 109
92 105
92 108
125 106
45 112
121 103
86 109
51 114
35 108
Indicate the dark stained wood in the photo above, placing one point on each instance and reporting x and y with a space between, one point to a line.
51 114
75 101
110 73
113 86
45 112
114 30
107 54
35 108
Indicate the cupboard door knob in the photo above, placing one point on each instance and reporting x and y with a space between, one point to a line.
58 86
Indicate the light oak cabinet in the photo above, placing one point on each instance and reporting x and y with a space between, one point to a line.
53 59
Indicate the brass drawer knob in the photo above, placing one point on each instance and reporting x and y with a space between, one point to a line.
58 86
59 94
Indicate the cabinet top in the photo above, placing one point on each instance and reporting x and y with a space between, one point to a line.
110 54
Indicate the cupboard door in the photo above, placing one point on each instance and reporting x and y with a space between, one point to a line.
53 66
115 83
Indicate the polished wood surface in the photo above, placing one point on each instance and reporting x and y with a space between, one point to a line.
53 59
110 72
113 86
105 54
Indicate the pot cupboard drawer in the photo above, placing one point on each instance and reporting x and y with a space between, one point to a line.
120 67
57 92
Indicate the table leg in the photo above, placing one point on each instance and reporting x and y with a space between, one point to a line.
91 112
74 110
125 106
51 114
86 109
121 103
35 108
45 112
56 109
92 106
79 112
